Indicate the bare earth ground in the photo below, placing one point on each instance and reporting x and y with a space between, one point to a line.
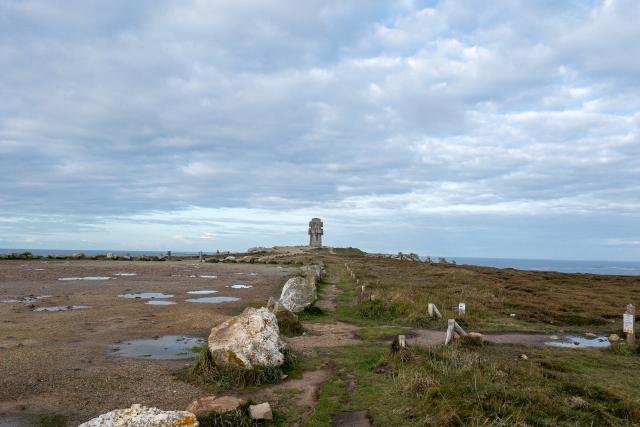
59 362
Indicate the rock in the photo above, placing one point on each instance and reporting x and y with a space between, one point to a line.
77 255
261 411
256 249
110 255
298 293
230 258
248 340
577 402
209 404
512 315
554 337
590 335
315 270
141 416
274 306
614 338
246 259
476 334
524 357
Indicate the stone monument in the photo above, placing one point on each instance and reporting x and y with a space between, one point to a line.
315 233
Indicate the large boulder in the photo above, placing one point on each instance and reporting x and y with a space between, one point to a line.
141 416
251 339
299 293
215 404
314 270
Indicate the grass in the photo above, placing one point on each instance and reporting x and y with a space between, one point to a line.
471 384
496 300
50 420
211 375
289 324
237 418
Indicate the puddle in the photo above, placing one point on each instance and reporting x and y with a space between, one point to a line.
26 300
125 274
214 300
203 292
239 286
85 278
572 341
160 302
168 347
146 295
208 277
62 308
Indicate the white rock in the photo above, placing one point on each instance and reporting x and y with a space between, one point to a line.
524 357
298 293
614 338
141 416
247 340
261 411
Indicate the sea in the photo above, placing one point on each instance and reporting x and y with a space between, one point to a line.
622 268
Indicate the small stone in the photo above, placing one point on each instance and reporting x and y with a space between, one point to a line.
209 404
554 337
614 338
590 335
512 315
261 411
476 334
524 357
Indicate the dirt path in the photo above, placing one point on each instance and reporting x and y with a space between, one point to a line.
305 388
328 298
324 335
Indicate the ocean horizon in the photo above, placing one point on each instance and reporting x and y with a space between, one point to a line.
602 267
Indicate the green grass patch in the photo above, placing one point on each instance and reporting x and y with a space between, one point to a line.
237 418
208 373
289 324
473 384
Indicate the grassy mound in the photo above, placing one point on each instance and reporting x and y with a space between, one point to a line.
239 417
207 372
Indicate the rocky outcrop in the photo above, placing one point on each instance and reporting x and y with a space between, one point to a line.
215 404
141 416
299 293
251 339
315 270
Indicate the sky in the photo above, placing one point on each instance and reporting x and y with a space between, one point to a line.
453 128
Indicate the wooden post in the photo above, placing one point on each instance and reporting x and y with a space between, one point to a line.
402 340
433 311
459 329
628 324
450 331
169 255
462 309
362 289
200 256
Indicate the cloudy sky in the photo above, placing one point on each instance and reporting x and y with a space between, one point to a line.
438 127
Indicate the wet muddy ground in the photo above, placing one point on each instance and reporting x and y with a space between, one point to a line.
60 361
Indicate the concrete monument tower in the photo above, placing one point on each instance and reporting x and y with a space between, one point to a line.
315 233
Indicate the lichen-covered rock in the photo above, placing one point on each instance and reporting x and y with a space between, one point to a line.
261 411
218 404
315 270
251 339
299 293
141 416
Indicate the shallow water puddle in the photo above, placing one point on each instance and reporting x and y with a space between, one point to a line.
160 302
62 308
213 300
203 292
168 347
208 277
26 300
85 278
147 295
239 286
574 341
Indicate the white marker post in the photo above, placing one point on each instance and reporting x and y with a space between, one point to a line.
628 323
402 340
462 309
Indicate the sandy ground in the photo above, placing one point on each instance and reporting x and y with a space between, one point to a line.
60 362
